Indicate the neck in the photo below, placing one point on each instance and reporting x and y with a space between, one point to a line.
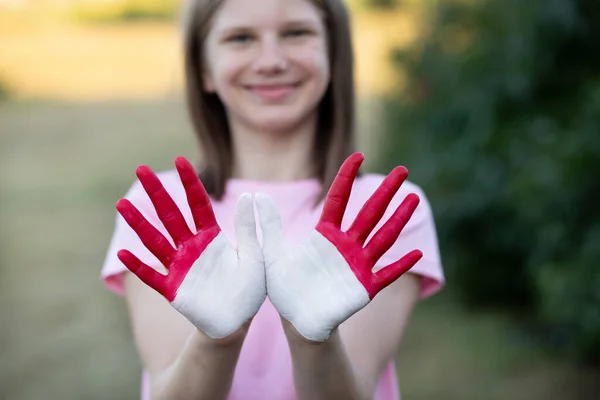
274 156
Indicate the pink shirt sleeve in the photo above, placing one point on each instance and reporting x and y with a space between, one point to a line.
420 233
125 238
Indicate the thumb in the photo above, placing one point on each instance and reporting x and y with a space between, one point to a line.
245 228
270 223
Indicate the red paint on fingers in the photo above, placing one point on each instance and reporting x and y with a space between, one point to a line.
198 199
389 232
339 193
361 260
374 208
147 274
148 234
387 275
166 209
190 246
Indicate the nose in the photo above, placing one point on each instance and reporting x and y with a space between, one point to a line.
271 57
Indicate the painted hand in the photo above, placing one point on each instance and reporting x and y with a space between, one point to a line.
215 286
320 283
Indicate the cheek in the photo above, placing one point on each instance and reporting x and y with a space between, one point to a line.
226 70
315 59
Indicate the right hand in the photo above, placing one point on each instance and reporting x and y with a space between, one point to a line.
217 287
324 280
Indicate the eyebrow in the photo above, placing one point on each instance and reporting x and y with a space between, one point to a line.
304 21
288 23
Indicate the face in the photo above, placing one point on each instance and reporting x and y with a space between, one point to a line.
268 64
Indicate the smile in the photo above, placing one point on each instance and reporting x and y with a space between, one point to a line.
273 92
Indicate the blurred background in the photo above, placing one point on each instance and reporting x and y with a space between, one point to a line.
494 106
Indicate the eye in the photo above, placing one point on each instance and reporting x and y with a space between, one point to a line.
297 33
239 38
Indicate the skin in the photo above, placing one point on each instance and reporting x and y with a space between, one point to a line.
252 53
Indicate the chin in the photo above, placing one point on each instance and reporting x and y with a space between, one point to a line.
277 126
279 122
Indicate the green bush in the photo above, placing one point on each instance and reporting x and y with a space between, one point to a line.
381 3
5 91
501 126
361 6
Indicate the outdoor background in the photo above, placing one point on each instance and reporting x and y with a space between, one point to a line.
494 106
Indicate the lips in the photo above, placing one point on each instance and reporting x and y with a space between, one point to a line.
272 92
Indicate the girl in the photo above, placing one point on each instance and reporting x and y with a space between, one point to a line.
314 305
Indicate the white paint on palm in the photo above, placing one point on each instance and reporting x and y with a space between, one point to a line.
225 287
311 285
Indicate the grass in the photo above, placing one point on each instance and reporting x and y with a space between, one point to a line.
451 354
62 168
5 92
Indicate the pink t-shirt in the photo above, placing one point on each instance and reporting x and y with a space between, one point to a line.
264 369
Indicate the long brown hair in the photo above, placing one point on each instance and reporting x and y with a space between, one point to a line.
335 127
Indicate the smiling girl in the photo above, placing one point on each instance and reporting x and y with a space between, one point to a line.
314 304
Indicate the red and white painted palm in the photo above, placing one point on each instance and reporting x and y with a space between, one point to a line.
320 283
214 285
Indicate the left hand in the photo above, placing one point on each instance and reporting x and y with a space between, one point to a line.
216 286
320 283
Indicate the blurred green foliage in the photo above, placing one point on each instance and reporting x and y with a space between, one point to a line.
360 6
126 11
5 91
382 3
500 124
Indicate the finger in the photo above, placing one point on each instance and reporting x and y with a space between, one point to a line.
148 234
389 274
339 193
270 223
371 213
200 206
166 209
389 232
147 274
245 227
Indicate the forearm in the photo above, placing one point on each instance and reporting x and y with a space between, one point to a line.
322 370
204 369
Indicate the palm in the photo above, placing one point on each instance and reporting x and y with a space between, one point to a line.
323 281
311 287
217 287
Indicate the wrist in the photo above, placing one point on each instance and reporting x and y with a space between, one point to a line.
233 340
294 336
